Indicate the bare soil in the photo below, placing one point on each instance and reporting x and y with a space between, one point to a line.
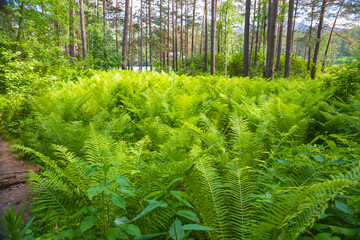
13 175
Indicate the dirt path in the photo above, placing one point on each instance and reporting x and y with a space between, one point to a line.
13 174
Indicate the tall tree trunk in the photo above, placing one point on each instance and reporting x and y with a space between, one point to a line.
104 16
130 37
176 36
253 33
225 44
213 35
125 34
150 37
206 38
116 25
279 46
257 34
310 33
201 36
173 34
96 12
246 39
193 30
293 28
289 39
83 31
331 33
168 36
160 33
71 30
181 34
270 54
141 35
318 39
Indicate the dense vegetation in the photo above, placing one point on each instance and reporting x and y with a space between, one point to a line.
134 154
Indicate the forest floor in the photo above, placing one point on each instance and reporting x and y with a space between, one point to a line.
13 175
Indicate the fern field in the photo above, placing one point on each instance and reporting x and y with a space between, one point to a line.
127 155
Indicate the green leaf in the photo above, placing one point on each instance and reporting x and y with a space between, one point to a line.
123 181
119 201
349 232
173 181
197 227
153 205
113 233
189 215
94 191
337 162
176 230
178 195
150 236
323 236
126 191
133 230
121 221
71 233
283 162
344 207
87 223
318 158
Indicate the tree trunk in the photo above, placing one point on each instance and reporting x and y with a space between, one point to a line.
71 31
279 46
257 35
213 35
206 38
293 28
173 34
141 35
201 36
253 33
289 40
160 33
193 30
310 33
270 54
318 39
331 33
116 25
225 44
176 36
246 39
168 36
181 34
130 38
150 37
83 31
104 16
125 34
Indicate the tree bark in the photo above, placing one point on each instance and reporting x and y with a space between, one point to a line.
310 33
257 35
213 35
253 33
201 36
125 34
168 36
193 30
173 34
181 34
293 28
331 33
206 60
116 25
130 37
83 31
150 37
289 39
279 46
246 39
318 39
270 55
71 31
141 35
104 18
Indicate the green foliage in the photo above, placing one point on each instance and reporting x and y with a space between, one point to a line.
146 155
15 230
